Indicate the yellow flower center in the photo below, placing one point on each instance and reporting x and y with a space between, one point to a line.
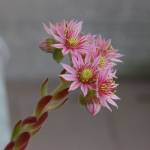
86 75
104 87
102 62
73 41
107 87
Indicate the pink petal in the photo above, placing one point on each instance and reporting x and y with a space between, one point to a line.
102 100
68 68
104 74
65 51
87 58
57 38
93 108
116 60
60 32
74 86
108 43
80 59
47 29
110 101
107 106
84 89
57 45
75 61
51 26
96 61
68 77
78 29
115 97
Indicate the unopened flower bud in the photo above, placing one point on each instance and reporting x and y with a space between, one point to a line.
46 45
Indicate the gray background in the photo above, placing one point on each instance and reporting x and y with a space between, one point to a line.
127 22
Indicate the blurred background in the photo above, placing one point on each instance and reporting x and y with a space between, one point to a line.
127 23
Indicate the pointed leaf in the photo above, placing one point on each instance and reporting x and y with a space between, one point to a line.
22 140
36 127
41 106
16 130
29 120
10 146
44 88
54 104
42 119
61 94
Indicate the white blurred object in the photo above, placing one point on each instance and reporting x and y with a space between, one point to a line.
4 115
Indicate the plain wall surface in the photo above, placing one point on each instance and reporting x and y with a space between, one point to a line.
73 128
127 22
4 112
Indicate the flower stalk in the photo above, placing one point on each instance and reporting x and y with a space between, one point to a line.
25 129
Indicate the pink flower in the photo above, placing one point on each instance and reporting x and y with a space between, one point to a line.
83 74
92 64
104 93
108 55
105 89
68 36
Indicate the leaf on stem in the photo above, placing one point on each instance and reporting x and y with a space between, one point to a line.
22 141
44 88
61 94
56 104
29 120
10 146
36 127
16 130
41 106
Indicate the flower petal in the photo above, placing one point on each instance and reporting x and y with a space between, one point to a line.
68 68
74 86
57 45
80 59
84 89
78 28
56 37
47 29
87 58
65 51
93 108
107 106
75 61
110 101
68 77
115 97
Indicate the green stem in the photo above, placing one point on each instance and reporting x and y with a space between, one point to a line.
62 85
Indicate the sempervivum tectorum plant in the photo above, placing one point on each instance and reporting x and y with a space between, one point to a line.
91 69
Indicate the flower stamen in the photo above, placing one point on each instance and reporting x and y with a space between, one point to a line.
102 62
86 75
73 41
107 87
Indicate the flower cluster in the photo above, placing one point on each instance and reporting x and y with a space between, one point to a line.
93 60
